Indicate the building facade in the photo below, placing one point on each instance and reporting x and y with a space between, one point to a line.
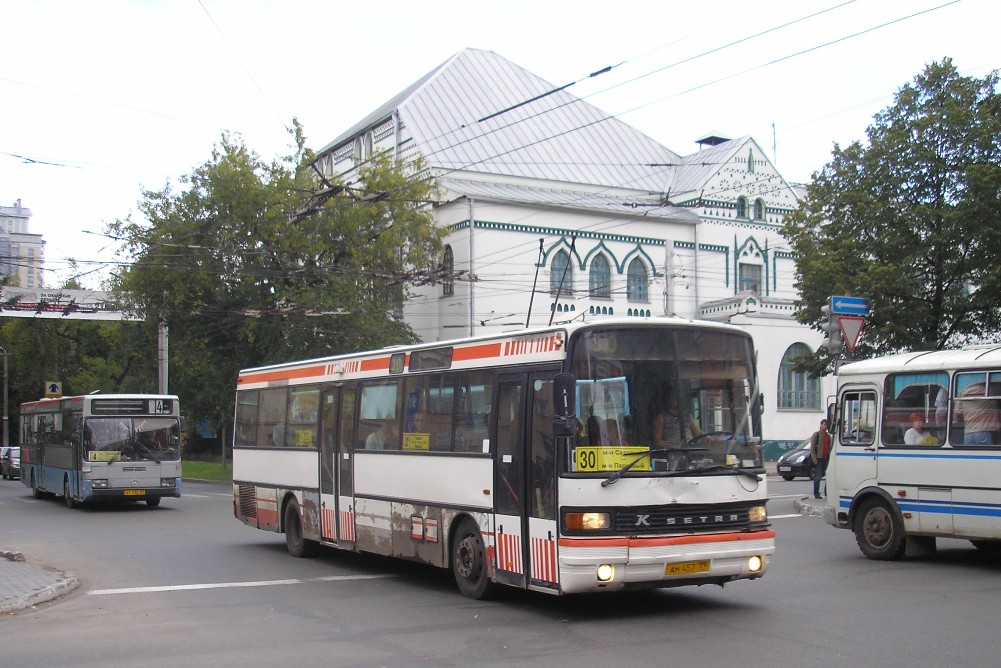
556 211
21 253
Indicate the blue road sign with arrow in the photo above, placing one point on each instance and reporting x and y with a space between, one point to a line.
849 306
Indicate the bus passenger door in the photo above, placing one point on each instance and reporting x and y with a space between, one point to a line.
525 485
857 454
510 519
328 463
336 488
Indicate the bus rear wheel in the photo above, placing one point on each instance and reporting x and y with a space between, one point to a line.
67 494
878 531
298 545
469 561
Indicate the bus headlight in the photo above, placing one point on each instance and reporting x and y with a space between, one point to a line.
755 563
99 483
587 521
606 573
757 514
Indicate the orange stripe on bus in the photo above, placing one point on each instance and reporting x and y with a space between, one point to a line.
674 540
484 351
283 374
377 364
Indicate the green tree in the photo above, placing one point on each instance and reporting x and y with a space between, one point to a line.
910 219
255 262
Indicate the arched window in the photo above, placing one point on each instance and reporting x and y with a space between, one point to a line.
759 209
797 390
448 272
636 281
562 273
600 280
741 207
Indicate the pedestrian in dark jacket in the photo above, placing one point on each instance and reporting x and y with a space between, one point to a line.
820 451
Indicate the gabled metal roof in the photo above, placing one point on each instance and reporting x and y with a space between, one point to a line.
557 137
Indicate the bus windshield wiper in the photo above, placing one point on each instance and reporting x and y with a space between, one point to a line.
114 458
715 468
622 471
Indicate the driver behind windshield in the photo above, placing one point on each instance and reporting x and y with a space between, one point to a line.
670 428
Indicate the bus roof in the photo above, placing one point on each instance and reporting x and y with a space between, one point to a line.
929 360
544 341
79 398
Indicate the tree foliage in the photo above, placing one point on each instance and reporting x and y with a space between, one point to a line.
255 262
911 219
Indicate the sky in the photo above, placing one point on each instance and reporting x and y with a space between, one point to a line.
103 99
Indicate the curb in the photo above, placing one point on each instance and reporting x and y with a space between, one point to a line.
808 506
60 585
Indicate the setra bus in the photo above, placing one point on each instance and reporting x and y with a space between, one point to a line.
576 458
102 447
916 451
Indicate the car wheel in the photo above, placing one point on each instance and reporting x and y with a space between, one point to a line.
787 476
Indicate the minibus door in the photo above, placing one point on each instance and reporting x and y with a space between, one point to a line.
856 459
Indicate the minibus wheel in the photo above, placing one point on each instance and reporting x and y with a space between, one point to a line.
878 531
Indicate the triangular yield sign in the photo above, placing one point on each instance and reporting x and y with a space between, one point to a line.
851 330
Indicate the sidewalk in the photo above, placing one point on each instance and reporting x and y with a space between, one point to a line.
24 584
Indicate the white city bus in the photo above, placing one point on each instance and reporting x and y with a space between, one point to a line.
102 447
528 459
917 451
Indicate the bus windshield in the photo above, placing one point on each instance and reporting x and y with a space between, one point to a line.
131 439
686 398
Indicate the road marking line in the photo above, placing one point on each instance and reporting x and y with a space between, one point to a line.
231 585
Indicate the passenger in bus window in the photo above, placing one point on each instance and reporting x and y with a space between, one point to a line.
917 435
386 437
980 417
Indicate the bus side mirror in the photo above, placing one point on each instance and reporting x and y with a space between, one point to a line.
564 405
564 395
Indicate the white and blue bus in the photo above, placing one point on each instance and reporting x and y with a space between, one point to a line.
917 451
586 457
102 447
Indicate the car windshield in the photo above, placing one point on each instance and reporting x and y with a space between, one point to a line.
671 399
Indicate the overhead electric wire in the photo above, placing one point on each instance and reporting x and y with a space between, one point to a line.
609 117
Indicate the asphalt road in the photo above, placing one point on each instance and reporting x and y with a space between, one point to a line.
187 584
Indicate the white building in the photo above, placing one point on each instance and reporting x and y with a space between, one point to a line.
21 253
556 210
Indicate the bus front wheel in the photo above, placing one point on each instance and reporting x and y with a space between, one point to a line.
878 531
298 545
469 561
